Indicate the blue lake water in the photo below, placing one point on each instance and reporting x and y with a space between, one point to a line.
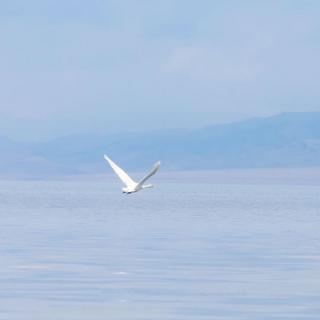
80 249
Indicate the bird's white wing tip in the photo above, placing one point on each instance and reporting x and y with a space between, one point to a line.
157 165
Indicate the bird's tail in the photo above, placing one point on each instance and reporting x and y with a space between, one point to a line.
147 186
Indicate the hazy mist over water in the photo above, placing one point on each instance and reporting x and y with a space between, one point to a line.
81 250
230 86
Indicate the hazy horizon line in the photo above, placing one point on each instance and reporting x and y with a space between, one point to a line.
136 132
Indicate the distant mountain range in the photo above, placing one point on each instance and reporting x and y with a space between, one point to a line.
285 140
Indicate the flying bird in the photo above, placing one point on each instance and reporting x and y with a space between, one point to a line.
130 185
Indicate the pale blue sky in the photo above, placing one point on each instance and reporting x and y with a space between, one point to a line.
109 66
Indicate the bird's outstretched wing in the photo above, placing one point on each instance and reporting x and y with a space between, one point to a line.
120 173
151 173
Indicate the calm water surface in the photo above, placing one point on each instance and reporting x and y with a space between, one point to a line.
80 250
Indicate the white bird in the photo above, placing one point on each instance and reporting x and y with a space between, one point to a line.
130 185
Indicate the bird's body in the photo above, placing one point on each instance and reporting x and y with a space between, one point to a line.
130 185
